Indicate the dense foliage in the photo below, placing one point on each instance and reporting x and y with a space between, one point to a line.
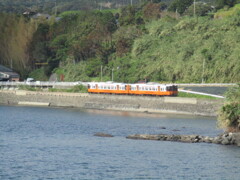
59 6
15 36
128 44
229 115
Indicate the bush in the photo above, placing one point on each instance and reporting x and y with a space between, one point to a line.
229 115
39 74
75 89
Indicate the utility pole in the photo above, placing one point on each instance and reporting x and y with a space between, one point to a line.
11 64
56 8
194 8
101 73
131 3
176 14
112 74
203 70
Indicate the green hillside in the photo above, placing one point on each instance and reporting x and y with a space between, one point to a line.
146 41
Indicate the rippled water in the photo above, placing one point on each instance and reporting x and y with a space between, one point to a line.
45 143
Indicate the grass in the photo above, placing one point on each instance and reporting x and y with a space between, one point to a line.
75 89
188 95
28 88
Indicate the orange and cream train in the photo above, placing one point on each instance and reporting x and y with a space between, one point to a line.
133 89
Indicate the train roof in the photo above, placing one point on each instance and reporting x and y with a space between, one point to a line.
138 84
156 84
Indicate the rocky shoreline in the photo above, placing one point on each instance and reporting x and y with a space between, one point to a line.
224 139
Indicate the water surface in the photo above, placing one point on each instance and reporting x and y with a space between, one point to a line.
47 143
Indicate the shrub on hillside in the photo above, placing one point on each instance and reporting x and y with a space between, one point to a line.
229 115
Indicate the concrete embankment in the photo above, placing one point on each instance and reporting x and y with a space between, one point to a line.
175 105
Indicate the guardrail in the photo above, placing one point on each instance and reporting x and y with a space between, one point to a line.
47 83
207 84
41 84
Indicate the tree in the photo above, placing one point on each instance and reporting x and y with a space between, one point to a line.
221 3
201 9
180 5
153 10
127 16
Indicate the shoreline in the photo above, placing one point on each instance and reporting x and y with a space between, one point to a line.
120 103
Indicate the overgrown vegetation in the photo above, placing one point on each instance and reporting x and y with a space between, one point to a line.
229 115
74 89
145 41
28 88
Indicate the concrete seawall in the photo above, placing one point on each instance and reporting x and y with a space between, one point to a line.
175 105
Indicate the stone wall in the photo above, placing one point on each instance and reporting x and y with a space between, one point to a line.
115 102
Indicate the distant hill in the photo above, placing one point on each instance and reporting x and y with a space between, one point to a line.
50 6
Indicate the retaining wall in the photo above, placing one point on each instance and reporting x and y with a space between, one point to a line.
149 104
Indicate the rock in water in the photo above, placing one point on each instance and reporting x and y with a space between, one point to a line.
103 135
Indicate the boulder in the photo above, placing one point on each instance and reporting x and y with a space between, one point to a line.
103 135
236 139
217 140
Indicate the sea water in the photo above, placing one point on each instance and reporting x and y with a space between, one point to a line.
54 143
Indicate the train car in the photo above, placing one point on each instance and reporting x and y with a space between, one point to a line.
133 89
108 88
154 89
